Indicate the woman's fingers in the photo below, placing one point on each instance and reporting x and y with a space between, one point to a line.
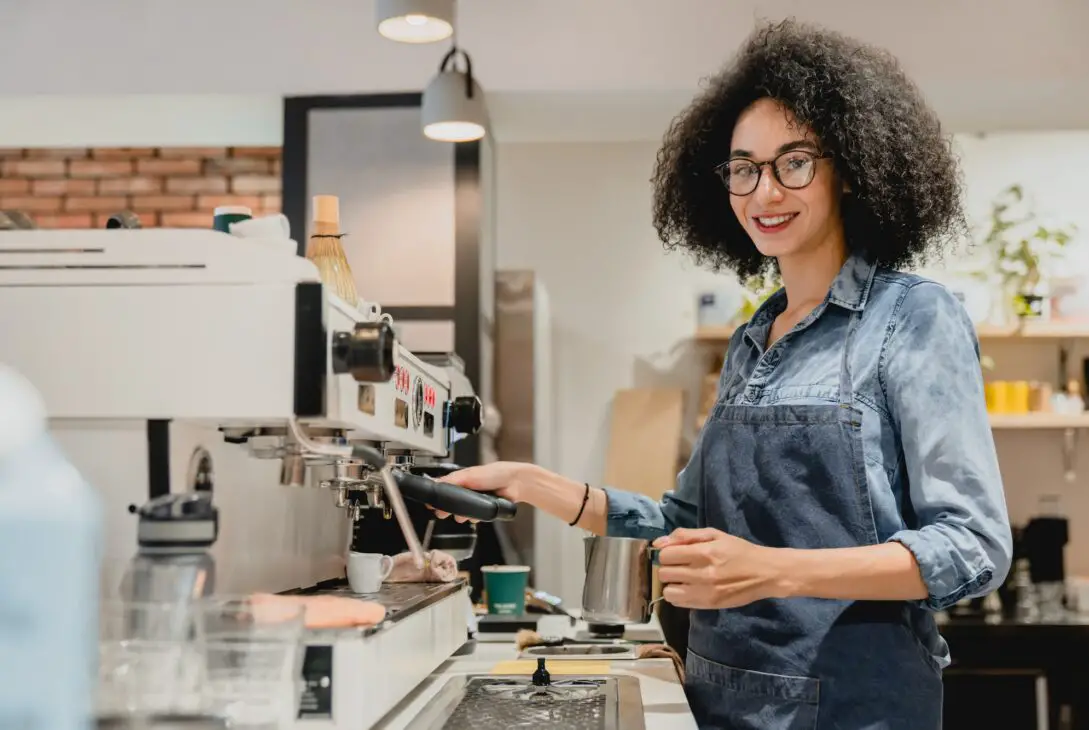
443 515
472 477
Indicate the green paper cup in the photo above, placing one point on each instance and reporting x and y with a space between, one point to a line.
225 215
505 586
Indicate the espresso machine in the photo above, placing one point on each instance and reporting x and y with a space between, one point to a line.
194 362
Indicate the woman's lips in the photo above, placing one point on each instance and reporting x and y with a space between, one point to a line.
773 223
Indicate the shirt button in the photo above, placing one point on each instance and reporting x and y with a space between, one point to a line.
752 393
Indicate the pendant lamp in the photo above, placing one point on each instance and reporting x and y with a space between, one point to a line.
415 21
453 103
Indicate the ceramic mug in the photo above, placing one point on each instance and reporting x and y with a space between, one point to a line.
366 571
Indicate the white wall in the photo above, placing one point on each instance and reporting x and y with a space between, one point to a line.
142 120
622 308
579 215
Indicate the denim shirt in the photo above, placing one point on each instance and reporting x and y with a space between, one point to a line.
931 466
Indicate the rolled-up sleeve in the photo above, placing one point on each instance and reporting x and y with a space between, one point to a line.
957 526
636 515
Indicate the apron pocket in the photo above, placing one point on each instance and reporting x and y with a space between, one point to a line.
740 699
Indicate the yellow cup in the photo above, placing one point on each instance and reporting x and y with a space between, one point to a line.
998 396
1019 396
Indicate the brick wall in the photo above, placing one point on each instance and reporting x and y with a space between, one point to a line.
170 187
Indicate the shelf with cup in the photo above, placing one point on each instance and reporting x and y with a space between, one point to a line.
1026 330
1035 330
1039 421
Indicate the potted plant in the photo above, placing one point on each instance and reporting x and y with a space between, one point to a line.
1023 253
756 289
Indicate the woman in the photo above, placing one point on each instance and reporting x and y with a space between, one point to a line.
845 485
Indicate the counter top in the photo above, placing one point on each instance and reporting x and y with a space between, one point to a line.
664 703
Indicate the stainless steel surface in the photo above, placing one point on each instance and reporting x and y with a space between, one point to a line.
618 581
634 633
569 702
393 493
458 545
581 651
400 599
293 470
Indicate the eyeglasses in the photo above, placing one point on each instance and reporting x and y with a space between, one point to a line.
793 169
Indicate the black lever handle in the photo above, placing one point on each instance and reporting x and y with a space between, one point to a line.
435 471
454 499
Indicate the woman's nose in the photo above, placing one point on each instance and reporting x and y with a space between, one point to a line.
768 189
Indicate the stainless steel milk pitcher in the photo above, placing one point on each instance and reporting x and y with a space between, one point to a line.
619 580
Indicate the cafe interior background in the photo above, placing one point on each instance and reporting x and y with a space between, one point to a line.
593 346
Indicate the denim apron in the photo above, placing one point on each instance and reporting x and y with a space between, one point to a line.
794 476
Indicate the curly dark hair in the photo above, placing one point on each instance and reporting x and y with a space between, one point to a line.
885 141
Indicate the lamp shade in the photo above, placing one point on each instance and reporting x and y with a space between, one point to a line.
453 107
415 21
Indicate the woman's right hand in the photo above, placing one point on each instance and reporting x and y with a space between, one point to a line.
534 485
506 479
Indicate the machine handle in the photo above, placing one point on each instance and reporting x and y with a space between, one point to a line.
454 499
435 471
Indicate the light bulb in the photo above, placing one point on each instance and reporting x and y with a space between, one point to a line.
454 131
415 21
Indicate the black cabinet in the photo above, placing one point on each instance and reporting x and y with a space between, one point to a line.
1004 669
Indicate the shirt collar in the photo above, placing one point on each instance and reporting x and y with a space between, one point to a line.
850 290
851 287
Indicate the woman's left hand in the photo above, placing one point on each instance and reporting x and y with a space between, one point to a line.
708 569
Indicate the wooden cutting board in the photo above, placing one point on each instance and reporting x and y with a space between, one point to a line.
645 444
645 440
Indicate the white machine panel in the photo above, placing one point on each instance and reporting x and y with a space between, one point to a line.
193 325
182 352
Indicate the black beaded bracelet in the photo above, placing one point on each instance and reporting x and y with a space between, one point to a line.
585 499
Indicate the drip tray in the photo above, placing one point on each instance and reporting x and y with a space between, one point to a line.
581 651
569 702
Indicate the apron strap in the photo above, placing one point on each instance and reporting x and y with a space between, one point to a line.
846 388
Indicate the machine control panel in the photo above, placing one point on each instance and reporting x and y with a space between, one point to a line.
416 402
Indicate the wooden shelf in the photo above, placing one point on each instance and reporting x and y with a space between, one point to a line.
715 334
1034 330
1025 330
1039 420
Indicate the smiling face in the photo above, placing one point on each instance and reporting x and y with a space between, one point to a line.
783 222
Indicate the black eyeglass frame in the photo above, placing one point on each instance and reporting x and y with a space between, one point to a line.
722 170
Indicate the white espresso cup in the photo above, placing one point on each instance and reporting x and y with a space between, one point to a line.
366 571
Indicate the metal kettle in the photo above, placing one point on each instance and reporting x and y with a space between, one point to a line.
173 561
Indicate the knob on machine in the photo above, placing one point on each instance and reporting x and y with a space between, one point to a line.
465 414
366 352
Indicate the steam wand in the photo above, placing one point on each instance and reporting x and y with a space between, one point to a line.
373 458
